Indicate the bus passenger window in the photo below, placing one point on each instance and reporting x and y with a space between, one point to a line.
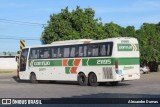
94 50
54 53
85 50
41 53
102 50
90 50
44 53
34 54
72 53
108 49
60 52
66 52
80 51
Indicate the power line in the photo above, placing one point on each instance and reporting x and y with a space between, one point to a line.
12 36
19 38
20 22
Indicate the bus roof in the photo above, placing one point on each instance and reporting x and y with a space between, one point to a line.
82 41
72 41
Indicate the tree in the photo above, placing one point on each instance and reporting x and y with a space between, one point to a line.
113 30
149 37
77 24
130 31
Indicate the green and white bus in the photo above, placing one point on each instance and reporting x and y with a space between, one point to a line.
87 61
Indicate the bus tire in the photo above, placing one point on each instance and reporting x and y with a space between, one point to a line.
114 83
92 79
33 78
82 79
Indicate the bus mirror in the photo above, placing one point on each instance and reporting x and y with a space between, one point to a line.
18 52
16 58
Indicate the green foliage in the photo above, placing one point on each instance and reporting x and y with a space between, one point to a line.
78 24
149 37
81 23
112 30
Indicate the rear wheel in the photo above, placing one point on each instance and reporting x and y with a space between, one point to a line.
33 78
92 79
82 79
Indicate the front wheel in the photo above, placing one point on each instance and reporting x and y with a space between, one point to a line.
93 79
33 78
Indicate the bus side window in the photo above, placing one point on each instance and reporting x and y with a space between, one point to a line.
66 52
34 54
102 50
90 50
85 50
60 52
41 53
46 52
76 51
80 51
54 52
95 50
72 53
108 49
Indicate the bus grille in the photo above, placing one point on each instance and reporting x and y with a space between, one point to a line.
107 73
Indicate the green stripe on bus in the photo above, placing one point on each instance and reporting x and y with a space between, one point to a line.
67 70
56 62
87 62
128 61
70 62
84 62
97 61
39 63
110 61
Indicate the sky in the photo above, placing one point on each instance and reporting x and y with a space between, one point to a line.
24 19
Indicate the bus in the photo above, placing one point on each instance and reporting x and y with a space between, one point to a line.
86 61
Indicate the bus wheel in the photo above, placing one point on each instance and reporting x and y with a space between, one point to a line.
33 78
92 79
82 79
114 83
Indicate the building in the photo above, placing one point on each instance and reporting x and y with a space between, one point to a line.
8 60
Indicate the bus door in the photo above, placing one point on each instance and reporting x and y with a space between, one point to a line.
23 60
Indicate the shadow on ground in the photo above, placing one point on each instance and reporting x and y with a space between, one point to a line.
68 82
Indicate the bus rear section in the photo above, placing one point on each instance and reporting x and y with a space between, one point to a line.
127 63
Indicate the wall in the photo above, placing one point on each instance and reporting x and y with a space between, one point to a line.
8 63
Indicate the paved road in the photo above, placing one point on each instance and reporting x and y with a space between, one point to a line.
147 86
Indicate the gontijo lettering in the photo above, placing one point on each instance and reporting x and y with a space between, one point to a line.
41 63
